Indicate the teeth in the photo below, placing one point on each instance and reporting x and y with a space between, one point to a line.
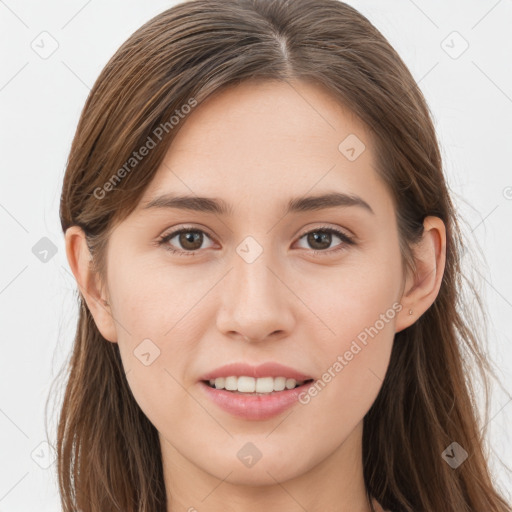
244 384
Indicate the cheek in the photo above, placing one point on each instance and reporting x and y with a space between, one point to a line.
358 309
155 369
355 296
354 364
152 298
153 313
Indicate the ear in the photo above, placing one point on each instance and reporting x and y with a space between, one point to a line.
421 289
80 261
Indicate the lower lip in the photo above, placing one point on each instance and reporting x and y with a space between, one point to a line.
255 407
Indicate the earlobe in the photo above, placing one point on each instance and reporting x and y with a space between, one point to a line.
80 259
422 288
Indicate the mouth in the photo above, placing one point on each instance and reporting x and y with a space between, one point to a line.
255 387
248 402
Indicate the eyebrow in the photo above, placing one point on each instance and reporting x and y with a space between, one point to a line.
220 207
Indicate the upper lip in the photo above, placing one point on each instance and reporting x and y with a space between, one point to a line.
269 369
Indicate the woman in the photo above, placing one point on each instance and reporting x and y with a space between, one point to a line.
268 260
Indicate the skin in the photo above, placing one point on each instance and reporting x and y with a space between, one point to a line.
290 306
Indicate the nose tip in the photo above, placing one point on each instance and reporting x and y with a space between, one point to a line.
254 306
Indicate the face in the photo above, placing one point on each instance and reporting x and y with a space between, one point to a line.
315 288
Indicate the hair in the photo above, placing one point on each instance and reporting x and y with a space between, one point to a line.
108 452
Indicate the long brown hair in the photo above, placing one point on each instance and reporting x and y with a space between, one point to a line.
108 452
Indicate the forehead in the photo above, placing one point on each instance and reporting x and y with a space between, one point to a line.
269 140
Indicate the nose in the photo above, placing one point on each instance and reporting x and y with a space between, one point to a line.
256 303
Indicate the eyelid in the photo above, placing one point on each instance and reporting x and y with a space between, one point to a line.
327 227
186 227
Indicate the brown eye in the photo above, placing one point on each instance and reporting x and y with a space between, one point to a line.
188 241
320 240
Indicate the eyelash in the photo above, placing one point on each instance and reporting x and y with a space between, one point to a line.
347 240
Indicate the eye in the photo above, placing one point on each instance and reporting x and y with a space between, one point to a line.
321 238
190 239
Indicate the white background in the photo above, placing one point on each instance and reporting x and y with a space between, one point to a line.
41 99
